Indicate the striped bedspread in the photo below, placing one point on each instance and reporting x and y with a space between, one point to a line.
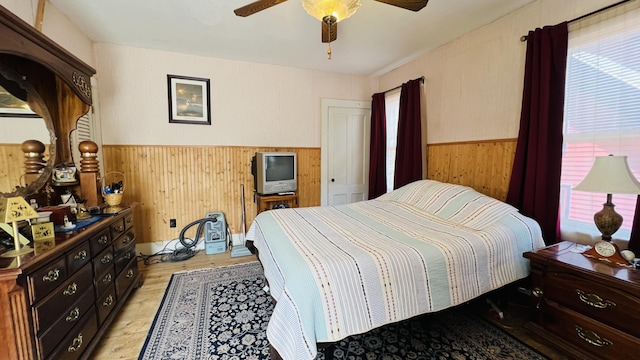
341 270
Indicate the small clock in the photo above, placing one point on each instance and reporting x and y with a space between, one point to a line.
607 252
605 248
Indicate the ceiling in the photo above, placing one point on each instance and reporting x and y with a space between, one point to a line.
376 39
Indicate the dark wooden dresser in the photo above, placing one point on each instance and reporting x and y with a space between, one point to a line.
56 303
585 308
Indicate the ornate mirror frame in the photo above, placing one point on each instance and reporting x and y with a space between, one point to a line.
58 83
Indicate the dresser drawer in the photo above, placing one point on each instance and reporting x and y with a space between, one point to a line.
42 281
103 262
123 258
117 228
602 302
77 257
128 221
60 300
122 242
594 337
125 278
100 241
52 336
103 281
106 303
76 341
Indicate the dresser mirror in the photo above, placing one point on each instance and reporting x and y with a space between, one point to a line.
56 86
16 130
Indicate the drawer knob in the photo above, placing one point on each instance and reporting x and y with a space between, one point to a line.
52 275
81 255
104 239
107 279
594 300
108 301
119 228
537 292
77 343
71 289
592 338
130 273
73 315
106 259
127 239
128 256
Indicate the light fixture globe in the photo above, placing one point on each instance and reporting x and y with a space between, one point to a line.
340 9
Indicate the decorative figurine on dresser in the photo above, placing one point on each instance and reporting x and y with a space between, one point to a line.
63 276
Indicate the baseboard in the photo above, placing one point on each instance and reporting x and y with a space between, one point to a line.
170 245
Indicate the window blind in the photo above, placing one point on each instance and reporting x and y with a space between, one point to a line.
602 116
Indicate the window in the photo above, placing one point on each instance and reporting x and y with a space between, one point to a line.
392 106
602 117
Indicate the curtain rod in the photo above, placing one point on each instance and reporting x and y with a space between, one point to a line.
524 37
421 78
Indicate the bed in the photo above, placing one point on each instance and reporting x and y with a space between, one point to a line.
335 271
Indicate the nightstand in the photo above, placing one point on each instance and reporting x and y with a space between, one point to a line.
583 307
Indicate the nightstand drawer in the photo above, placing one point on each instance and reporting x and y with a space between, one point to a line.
602 302
596 338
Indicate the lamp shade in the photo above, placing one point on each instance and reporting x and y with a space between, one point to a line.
340 9
15 209
610 175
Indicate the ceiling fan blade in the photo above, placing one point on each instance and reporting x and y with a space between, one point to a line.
256 6
413 5
325 32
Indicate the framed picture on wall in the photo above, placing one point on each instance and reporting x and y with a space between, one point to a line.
11 106
189 100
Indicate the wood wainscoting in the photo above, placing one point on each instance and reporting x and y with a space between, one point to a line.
483 165
11 166
187 182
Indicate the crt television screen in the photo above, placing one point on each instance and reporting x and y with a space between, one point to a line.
279 168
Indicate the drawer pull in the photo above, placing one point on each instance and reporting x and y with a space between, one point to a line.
119 228
130 273
104 239
52 275
107 279
594 300
71 289
128 256
127 239
592 338
77 343
106 259
81 255
108 301
73 315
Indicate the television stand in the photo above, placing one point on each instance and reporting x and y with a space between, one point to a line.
275 201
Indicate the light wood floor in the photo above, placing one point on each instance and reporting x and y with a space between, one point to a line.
128 332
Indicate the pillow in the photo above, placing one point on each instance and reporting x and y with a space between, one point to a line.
456 203
474 210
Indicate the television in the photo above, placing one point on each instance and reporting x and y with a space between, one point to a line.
274 172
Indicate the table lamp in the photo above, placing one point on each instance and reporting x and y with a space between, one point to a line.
609 175
12 210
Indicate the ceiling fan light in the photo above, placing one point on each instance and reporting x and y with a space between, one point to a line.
340 9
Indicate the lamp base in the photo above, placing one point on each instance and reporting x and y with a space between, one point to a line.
15 253
607 220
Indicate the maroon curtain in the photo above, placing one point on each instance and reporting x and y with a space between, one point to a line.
408 167
378 147
634 242
535 178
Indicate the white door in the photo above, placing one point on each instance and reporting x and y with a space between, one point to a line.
345 151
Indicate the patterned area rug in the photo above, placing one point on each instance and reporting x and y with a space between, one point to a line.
222 313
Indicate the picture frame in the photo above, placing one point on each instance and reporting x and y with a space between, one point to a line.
189 100
11 106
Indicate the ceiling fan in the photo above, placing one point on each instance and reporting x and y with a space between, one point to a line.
329 12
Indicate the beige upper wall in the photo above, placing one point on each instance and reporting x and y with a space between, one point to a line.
251 104
473 85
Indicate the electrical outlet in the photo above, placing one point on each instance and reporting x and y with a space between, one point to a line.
172 223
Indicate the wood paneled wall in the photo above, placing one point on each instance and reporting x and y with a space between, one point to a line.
11 166
482 165
186 182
